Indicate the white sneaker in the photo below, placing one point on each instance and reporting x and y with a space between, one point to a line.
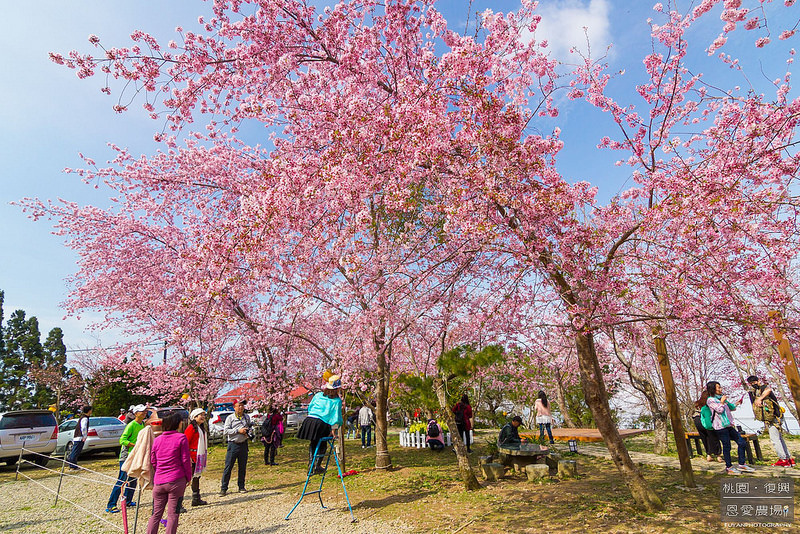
732 471
746 468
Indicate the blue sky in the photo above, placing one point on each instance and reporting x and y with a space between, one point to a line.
48 116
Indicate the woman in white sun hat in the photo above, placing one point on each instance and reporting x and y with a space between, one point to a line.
324 416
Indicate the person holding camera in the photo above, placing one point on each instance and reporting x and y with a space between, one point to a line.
237 430
767 410
723 424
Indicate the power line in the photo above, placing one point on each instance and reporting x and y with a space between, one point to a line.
112 347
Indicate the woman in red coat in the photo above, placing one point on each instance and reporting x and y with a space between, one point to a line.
198 450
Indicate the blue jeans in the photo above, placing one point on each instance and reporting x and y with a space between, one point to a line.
542 427
366 435
121 479
237 452
725 436
77 447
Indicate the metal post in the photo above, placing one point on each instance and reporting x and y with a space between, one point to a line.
138 505
61 476
19 462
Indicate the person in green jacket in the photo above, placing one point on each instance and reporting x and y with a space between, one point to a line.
509 434
127 441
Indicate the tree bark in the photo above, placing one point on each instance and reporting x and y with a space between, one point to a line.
594 392
464 467
562 402
660 432
382 458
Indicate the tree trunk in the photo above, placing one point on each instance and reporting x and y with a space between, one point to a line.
660 432
464 468
382 458
594 392
562 402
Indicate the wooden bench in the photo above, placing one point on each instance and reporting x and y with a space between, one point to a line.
695 436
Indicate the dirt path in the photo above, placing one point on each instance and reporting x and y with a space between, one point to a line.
699 463
27 507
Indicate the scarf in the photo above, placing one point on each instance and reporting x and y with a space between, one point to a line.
202 453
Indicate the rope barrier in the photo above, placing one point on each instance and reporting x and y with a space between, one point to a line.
74 476
116 527
33 453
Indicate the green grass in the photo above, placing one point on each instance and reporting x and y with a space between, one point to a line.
423 489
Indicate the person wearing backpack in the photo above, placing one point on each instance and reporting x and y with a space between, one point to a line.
434 436
707 435
767 410
723 424
463 416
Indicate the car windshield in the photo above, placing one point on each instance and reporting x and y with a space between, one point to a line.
26 420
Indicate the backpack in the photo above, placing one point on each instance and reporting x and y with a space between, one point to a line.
707 418
768 412
459 414
433 430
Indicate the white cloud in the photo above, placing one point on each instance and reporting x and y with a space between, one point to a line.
567 23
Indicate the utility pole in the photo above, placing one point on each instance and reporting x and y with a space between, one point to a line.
672 403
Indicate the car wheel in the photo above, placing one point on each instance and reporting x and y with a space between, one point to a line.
41 461
68 449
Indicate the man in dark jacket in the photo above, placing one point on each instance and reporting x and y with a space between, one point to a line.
509 434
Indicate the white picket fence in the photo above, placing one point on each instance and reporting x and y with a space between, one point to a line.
417 439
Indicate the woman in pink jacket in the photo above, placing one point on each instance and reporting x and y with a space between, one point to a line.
173 470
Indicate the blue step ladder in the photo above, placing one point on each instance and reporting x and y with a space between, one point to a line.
327 457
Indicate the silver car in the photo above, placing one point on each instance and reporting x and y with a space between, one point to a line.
295 418
104 434
34 430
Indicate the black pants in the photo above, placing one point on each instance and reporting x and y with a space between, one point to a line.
237 452
269 452
195 489
312 446
464 433
709 438
435 445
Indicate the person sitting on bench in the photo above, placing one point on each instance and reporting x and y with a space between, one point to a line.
509 434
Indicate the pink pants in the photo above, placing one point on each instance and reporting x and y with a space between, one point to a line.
166 496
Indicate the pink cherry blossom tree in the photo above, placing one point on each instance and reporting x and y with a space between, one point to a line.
398 148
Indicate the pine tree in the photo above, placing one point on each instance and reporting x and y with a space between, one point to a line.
22 350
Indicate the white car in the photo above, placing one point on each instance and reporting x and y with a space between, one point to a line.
34 431
104 434
216 422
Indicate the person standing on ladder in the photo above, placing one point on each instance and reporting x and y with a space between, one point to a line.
324 416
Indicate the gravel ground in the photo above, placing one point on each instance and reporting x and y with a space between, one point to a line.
26 506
